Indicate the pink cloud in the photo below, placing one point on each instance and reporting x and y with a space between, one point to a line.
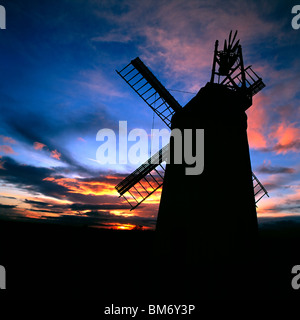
8 139
258 122
7 149
287 137
55 154
38 146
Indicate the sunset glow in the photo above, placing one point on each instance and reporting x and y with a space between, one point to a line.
59 88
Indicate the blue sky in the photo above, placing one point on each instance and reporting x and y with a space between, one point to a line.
58 87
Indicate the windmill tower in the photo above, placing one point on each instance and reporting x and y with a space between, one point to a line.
213 214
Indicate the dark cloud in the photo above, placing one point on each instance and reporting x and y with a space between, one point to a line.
30 178
272 186
39 204
6 206
33 178
74 206
267 168
5 197
80 206
10 212
48 211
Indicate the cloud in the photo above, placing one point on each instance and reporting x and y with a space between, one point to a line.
112 206
176 39
283 139
293 146
75 206
287 136
41 204
55 154
7 149
91 200
5 206
83 186
30 178
98 190
87 214
6 197
101 219
1 164
287 207
266 167
39 145
258 122
8 139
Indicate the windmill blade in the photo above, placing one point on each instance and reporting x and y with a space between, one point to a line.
235 46
259 190
234 37
229 40
225 45
145 180
150 89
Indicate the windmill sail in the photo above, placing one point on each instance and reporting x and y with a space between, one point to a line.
150 89
259 190
145 180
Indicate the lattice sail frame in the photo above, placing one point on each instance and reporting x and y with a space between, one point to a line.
145 180
148 178
150 89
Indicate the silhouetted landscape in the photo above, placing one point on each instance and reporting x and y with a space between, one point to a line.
48 261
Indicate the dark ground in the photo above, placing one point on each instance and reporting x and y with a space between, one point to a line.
47 261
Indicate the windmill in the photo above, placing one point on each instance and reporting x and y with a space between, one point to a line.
228 72
206 231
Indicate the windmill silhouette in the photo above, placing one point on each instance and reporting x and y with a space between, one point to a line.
205 221
231 75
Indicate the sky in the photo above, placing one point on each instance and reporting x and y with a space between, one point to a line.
58 88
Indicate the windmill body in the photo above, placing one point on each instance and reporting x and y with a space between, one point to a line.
212 214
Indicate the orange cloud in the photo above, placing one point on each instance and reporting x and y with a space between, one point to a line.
55 154
85 187
7 149
38 146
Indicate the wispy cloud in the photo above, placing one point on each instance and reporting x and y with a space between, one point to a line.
267 168
7 149
7 139
39 145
